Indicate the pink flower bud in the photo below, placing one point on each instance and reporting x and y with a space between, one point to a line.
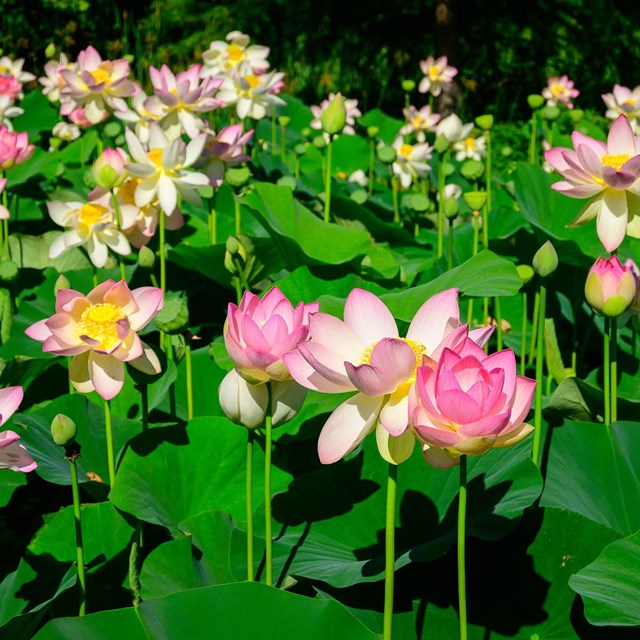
610 287
14 148
108 169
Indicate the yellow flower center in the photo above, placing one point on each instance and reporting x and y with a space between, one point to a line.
155 155
126 191
470 143
434 73
417 347
98 322
630 101
252 81
558 90
419 122
90 214
615 161
405 150
235 54
101 76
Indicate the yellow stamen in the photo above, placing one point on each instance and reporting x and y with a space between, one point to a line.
434 73
419 122
235 54
470 143
405 150
615 161
155 155
98 322
252 81
558 90
417 347
101 76
90 214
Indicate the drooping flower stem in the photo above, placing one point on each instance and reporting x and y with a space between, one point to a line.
607 372
390 551
523 344
395 193
189 366
109 433
462 517
78 531
249 504
267 491
327 182
537 431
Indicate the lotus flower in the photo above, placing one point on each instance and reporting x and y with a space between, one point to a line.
224 150
606 173
419 121
560 90
611 286
411 161
13 455
468 403
351 113
626 102
99 332
437 74
14 148
223 58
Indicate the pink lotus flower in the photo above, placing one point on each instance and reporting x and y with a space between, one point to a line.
78 117
224 150
14 148
611 286
624 101
222 58
419 121
365 354
13 455
10 87
259 332
437 74
560 90
468 403
99 332
606 173
52 81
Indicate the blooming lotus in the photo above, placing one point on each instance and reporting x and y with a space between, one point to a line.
92 225
364 353
470 148
560 90
419 121
14 148
179 98
468 403
452 129
437 74
95 83
411 161
138 116
608 175
162 169
224 150
9 67
351 113
13 455
223 58
626 102
99 332
10 88
52 81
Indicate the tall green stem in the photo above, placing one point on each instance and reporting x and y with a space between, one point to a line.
283 144
533 141
274 132
614 369
327 183
213 220
267 491
372 157
450 245
607 372
537 432
163 265
395 193
498 317
249 503
109 433
523 344
237 214
78 529
462 517
390 551
189 367
442 176
534 327
487 209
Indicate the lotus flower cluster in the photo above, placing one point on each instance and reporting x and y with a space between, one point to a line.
99 332
624 101
12 78
607 174
560 90
258 334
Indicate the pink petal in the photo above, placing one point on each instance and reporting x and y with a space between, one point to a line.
368 317
303 373
435 319
524 390
39 330
621 140
327 363
486 427
394 416
107 374
10 399
330 331
150 301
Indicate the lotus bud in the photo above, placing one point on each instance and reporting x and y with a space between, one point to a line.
387 155
408 85
545 262
108 169
451 208
472 170
63 430
50 51
61 283
284 121
485 122
319 142
173 318
525 272
535 101
475 199
334 116
610 287
146 257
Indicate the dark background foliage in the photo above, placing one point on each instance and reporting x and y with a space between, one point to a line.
505 50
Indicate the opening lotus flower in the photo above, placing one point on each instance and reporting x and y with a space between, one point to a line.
419 121
468 403
560 90
99 332
13 455
224 150
222 58
364 353
437 74
624 101
411 161
606 173
14 148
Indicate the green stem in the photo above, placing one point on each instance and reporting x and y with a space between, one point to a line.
390 552
283 145
163 265
267 491
395 192
188 365
534 327
462 516
487 208
614 369
249 504
372 157
213 220
236 211
109 433
498 316
327 183
523 344
78 529
537 432
533 141
607 372
450 245
274 132
442 176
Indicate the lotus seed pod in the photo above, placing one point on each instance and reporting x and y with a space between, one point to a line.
485 122
526 272
408 85
475 199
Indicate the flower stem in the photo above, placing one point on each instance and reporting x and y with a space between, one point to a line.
390 552
497 312
189 367
442 176
534 327
78 529
533 141
327 183
487 206
614 369
537 432
237 215
163 266
213 220
523 344
462 516
283 144
267 490
109 432
450 245
607 372
274 132
395 192
372 157
249 504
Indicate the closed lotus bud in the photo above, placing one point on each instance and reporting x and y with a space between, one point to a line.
475 199
108 169
173 318
485 122
334 117
63 430
451 208
50 51
526 272
146 257
408 85
610 287
61 283
545 262
535 101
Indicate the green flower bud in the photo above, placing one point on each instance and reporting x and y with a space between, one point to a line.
475 199
535 101
485 122
173 318
545 262
146 257
50 51
63 430
526 272
451 208
472 170
408 85
334 116
550 113
386 155
284 121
